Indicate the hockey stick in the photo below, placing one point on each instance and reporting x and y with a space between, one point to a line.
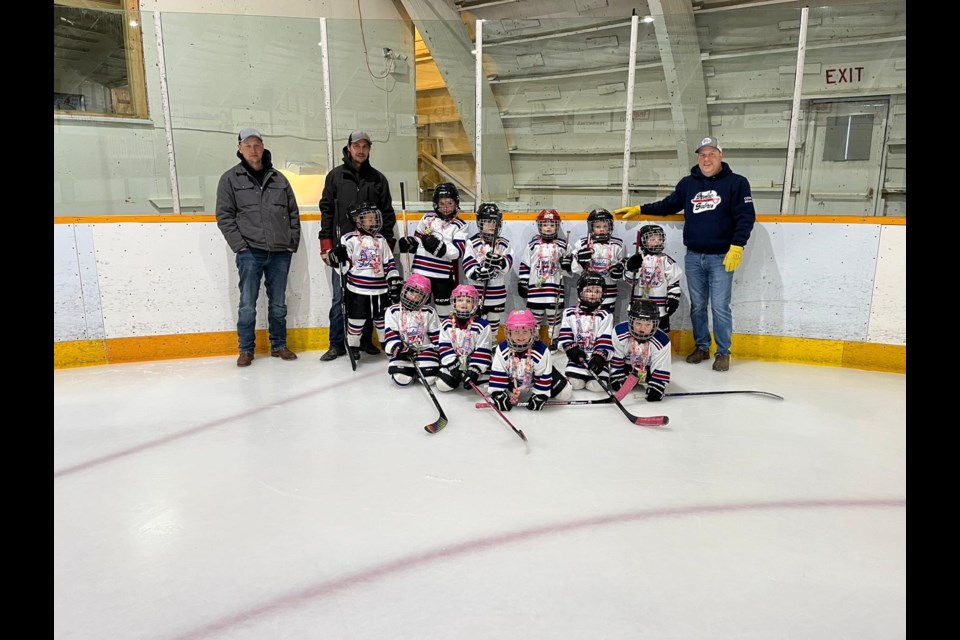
440 422
636 274
406 229
560 294
484 405
343 291
549 403
497 409
640 420
486 283
716 393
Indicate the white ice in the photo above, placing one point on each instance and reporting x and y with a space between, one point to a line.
194 499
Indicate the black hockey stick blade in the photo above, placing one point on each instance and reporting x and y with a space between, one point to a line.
643 421
717 393
497 409
551 403
441 421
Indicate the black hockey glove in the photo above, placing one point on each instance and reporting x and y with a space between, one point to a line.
394 287
338 256
482 274
597 363
634 262
585 256
408 244
471 376
566 263
434 244
502 400
616 270
617 378
576 354
451 376
403 352
522 290
654 394
536 402
672 305
495 262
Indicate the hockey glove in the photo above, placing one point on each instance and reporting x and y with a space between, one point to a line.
403 352
451 376
634 262
597 363
576 354
654 394
627 212
482 274
536 402
566 263
502 400
434 244
522 289
585 257
338 256
408 244
672 305
616 270
471 376
617 378
394 287
495 262
733 258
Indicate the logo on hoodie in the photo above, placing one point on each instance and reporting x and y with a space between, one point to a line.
705 201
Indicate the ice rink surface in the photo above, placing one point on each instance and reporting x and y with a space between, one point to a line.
195 499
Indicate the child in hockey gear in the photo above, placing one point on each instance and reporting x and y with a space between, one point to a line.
437 244
654 274
541 276
601 252
465 342
639 347
487 262
522 365
586 335
372 272
412 330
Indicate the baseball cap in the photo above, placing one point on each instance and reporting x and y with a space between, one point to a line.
246 133
709 142
359 135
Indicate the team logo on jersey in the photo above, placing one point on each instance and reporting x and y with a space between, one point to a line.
652 276
705 201
369 258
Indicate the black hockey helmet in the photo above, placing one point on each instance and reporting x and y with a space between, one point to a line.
641 311
599 215
362 221
489 212
652 232
590 299
446 190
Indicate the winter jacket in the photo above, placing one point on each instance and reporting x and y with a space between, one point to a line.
717 211
262 217
347 186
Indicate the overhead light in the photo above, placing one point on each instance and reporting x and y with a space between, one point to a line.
134 24
647 19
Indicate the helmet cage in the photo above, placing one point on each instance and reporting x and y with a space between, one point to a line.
414 294
461 293
548 215
643 311
359 216
648 237
446 190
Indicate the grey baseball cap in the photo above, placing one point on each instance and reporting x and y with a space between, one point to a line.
359 135
246 133
709 141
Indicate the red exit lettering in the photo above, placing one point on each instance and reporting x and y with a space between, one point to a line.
843 75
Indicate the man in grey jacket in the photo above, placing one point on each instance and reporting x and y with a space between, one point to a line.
259 218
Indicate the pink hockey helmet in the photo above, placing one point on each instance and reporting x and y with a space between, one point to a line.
465 291
419 287
520 320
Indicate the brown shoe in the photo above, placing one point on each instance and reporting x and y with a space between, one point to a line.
284 354
698 356
721 363
244 359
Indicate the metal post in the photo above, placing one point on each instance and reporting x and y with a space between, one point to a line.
327 109
478 71
795 114
628 116
167 126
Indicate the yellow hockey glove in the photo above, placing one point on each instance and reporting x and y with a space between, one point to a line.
628 212
733 258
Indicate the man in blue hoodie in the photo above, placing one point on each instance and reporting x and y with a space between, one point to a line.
718 217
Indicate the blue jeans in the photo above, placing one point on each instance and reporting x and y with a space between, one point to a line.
708 281
272 267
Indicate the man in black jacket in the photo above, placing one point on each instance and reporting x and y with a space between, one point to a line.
353 181
258 215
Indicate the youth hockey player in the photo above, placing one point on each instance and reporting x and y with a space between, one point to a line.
541 278
642 349
586 335
465 342
412 331
486 264
600 251
659 274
